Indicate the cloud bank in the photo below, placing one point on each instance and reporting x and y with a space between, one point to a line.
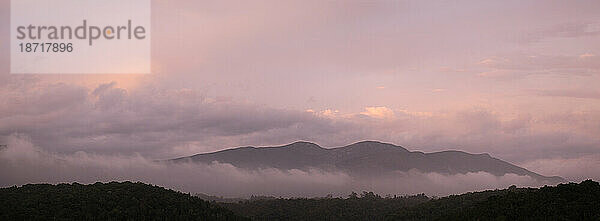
478 76
22 163
162 124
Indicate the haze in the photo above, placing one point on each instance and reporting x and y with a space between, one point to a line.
515 79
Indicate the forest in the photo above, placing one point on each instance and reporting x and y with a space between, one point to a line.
138 201
563 202
105 201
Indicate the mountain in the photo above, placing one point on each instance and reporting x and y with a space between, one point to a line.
365 158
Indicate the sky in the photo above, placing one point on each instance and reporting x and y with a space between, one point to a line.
515 79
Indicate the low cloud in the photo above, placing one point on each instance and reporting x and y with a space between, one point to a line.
281 54
22 163
572 168
67 118
163 124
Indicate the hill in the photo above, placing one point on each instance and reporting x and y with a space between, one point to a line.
110 201
563 202
138 201
368 158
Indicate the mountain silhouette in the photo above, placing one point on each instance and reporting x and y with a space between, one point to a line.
365 158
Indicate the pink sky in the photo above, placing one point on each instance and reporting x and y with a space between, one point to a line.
516 79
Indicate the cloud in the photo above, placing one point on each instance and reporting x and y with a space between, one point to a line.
500 74
67 117
22 163
564 30
587 55
379 112
162 123
208 94
571 168
520 65
585 94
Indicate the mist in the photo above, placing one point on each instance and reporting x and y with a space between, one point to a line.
22 162
409 73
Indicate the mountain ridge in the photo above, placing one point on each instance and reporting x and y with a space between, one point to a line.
364 158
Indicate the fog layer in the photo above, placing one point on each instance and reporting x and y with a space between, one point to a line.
22 162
